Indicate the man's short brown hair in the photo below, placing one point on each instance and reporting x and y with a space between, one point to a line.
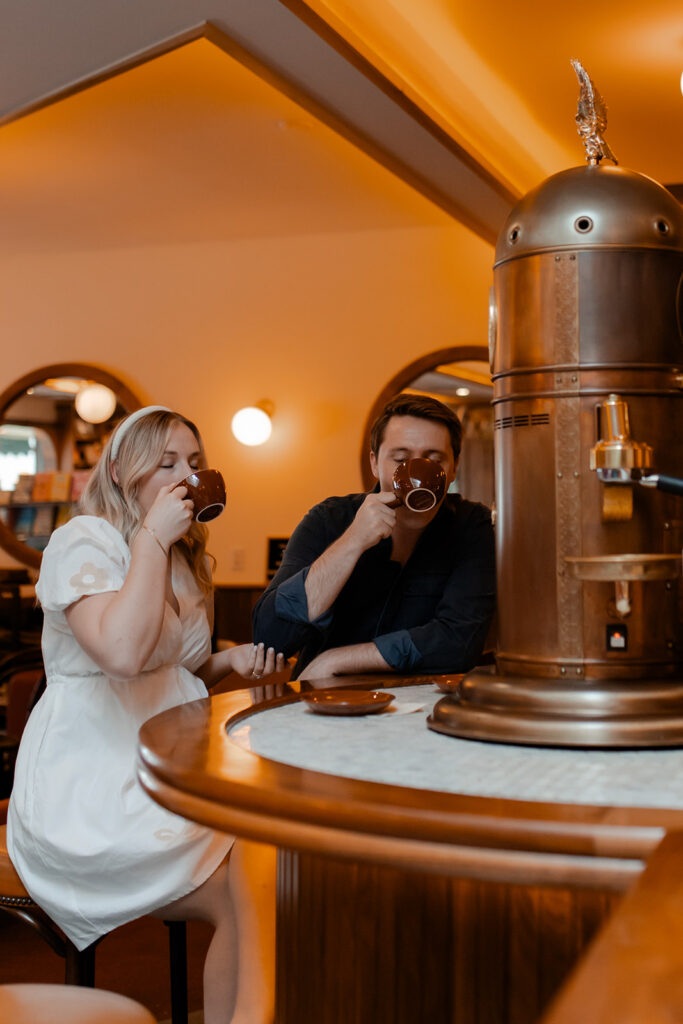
423 408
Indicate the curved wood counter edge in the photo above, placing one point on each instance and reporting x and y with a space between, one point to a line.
632 971
189 765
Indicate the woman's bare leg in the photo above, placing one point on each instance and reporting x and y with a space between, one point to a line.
251 876
211 902
239 900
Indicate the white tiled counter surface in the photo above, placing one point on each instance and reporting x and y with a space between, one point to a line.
396 747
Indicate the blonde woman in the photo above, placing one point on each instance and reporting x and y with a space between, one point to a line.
125 588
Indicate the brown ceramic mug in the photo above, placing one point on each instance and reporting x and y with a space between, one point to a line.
206 488
419 484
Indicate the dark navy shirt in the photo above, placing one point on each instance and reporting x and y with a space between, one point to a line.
431 615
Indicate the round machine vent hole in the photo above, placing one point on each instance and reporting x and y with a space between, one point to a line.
513 235
583 224
662 227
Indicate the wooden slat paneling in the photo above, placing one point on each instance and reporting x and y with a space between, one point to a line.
359 944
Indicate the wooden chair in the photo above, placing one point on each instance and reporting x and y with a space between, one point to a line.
80 965
58 1004
23 675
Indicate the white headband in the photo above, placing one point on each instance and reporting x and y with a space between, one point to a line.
125 425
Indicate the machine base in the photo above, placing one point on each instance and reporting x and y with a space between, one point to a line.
550 713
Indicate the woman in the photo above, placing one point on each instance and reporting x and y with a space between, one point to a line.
125 588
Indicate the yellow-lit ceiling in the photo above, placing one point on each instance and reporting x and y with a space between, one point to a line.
193 147
190 147
497 75
632 49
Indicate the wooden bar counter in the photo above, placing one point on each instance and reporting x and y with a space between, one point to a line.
414 882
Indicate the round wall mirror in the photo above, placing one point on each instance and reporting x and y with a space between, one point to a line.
460 378
54 423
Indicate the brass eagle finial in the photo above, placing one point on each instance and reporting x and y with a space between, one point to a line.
591 118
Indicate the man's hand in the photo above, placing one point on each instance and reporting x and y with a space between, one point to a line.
328 574
322 667
374 520
339 661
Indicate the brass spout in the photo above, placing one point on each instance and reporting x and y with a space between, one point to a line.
615 448
615 456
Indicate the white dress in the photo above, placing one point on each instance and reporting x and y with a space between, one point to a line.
90 846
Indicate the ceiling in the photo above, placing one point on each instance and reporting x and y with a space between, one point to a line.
632 50
192 146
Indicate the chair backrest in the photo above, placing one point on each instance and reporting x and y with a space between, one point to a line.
23 689
23 675
25 657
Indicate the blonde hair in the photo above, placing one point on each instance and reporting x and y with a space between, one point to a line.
140 451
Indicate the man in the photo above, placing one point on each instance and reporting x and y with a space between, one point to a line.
364 587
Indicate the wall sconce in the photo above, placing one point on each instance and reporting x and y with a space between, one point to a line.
95 403
252 425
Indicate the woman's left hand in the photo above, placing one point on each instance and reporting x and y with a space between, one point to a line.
252 661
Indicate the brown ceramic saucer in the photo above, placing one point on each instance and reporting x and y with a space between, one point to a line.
347 702
449 684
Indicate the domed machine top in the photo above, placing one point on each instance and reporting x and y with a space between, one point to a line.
587 360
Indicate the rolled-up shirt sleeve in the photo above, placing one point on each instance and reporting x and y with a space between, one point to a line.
398 650
291 602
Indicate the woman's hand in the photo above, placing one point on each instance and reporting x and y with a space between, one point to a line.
170 515
253 661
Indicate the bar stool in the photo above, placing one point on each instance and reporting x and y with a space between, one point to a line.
80 965
64 1004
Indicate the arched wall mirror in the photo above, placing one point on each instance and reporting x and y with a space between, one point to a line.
54 423
460 378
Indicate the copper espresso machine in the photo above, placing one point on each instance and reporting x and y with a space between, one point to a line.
587 363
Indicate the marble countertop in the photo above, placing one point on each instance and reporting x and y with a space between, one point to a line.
396 747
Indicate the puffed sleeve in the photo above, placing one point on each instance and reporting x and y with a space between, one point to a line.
85 556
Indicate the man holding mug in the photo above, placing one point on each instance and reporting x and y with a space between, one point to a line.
365 586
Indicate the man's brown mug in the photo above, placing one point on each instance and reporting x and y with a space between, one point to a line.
419 484
206 488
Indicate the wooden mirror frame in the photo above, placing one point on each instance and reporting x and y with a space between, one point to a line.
456 354
8 541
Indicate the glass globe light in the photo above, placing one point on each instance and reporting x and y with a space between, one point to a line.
251 426
95 403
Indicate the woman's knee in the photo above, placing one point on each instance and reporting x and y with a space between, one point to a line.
208 902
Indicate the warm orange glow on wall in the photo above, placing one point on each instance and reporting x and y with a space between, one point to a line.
134 238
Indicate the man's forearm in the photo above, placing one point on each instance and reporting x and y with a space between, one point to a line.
331 570
329 573
345 661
